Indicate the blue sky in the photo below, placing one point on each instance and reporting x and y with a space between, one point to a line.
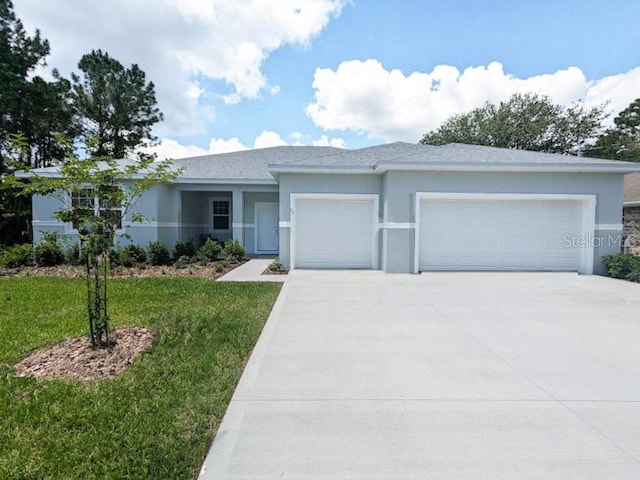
236 74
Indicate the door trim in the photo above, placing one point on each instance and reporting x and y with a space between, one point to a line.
256 229
585 257
373 198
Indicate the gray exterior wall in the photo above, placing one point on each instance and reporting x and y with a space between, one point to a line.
319 183
174 213
180 212
397 195
399 203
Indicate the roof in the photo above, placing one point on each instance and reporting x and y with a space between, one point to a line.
246 165
632 188
262 166
452 157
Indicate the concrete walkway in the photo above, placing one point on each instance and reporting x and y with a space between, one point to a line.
251 271
500 376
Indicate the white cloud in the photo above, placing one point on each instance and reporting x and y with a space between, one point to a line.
325 141
268 139
169 148
181 44
363 96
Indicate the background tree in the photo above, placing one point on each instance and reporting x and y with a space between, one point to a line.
115 185
621 142
30 107
524 121
115 107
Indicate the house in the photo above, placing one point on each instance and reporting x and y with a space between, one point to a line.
398 207
631 212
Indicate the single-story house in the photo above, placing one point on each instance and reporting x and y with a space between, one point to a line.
398 207
631 212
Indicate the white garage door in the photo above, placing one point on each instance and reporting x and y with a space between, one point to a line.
483 234
334 232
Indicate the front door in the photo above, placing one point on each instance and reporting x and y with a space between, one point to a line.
267 227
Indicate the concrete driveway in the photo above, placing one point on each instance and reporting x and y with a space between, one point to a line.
363 375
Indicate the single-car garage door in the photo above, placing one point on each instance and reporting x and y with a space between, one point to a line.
334 231
499 234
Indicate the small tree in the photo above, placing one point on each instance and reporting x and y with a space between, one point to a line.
97 194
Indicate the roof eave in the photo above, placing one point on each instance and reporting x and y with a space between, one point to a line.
276 170
510 167
232 181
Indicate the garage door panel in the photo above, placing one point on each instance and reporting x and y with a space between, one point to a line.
468 234
334 233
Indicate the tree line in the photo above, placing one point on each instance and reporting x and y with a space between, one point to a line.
533 122
106 108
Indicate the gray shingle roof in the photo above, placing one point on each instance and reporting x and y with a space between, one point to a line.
248 164
458 152
262 164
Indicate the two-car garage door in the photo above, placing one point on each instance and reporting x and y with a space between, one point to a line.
499 234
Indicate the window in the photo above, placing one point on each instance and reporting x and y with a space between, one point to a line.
92 204
220 210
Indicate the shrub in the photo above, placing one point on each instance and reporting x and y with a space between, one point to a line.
131 256
184 249
217 268
183 262
76 255
623 265
234 251
209 251
158 253
49 252
17 256
276 266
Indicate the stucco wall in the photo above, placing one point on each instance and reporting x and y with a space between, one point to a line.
318 183
400 189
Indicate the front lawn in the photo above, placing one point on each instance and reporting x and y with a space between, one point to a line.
156 419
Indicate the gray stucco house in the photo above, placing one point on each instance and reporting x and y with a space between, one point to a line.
398 207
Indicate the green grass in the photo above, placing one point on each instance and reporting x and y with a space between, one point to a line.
155 420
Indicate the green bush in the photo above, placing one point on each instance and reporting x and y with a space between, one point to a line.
276 266
76 255
158 253
623 265
209 251
234 251
184 249
183 262
48 252
132 256
17 256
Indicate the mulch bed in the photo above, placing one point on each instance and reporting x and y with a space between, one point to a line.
71 271
76 358
270 271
